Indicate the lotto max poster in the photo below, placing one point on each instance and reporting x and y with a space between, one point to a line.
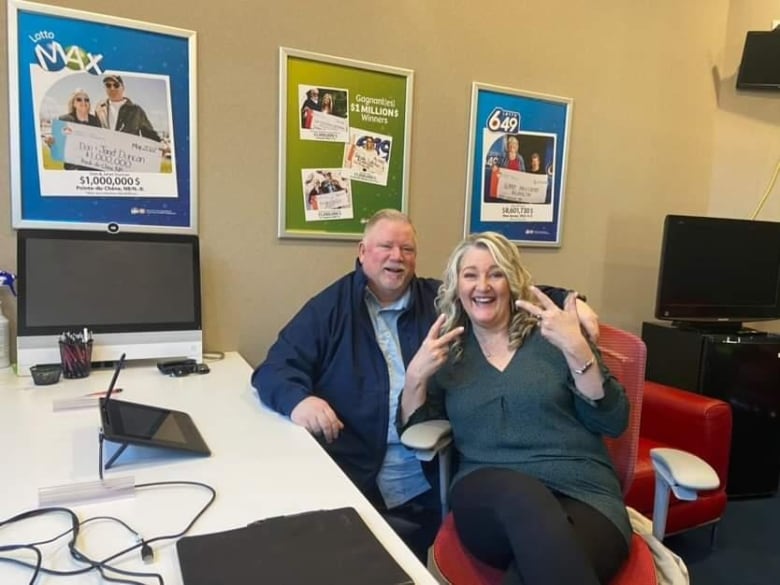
517 164
102 121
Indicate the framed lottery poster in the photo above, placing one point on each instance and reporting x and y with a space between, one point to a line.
344 135
517 164
103 127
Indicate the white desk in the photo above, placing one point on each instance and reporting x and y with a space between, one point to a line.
261 466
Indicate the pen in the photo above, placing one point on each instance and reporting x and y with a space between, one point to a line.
104 392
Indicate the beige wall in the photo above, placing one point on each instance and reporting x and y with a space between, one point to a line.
644 139
746 142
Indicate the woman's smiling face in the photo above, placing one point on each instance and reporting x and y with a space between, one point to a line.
483 289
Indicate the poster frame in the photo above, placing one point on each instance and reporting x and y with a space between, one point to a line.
99 45
296 143
542 120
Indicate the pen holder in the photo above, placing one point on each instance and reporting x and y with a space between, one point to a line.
76 358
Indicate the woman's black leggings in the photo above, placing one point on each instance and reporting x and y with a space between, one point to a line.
511 520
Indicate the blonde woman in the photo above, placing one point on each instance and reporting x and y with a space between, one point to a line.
327 104
79 111
529 402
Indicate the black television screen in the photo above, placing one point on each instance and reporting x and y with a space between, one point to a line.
719 270
760 64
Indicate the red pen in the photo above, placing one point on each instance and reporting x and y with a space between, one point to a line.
104 392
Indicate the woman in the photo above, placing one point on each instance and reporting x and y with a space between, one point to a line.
79 112
512 158
529 401
327 103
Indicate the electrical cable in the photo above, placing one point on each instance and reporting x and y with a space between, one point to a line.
87 521
100 565
38 557
767 192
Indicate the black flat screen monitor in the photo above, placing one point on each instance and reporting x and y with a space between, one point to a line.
719 271
139 293
760 64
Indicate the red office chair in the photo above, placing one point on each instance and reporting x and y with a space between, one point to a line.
624 354
690 422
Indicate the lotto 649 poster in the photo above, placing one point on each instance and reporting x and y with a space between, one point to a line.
517 164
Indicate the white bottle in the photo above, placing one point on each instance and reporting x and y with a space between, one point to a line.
5 340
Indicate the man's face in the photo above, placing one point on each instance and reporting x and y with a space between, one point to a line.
114 89
314 95
388 254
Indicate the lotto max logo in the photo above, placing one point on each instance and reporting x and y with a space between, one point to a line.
52 56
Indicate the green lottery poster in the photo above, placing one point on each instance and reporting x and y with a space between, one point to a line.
344 143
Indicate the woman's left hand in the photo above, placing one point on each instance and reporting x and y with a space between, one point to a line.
561 327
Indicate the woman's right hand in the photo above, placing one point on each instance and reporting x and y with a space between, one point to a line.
432 353
429 358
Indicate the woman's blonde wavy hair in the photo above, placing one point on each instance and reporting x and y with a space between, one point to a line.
507 258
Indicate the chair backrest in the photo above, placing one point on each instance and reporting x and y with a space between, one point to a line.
624 354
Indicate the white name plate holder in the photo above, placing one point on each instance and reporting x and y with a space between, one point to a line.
87 491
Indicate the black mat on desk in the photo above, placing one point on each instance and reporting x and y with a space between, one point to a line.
326 547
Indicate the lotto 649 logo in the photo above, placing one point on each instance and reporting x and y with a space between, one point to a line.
52 56
501 120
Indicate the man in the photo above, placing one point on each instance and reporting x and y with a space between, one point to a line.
310 104
337 369
119 113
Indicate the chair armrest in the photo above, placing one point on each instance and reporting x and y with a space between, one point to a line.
698 424
684 474
684 471
428 438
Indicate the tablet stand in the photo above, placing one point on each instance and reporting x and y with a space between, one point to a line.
107 465
114 457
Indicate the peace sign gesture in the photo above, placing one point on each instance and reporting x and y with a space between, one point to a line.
561 327
429 358
433 351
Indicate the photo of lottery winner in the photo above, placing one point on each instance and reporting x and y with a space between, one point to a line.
88 122
327 194
518 167
367 155
324 113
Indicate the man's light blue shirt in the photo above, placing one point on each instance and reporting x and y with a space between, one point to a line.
401 477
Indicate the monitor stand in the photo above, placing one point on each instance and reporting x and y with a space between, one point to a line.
717 328
711 326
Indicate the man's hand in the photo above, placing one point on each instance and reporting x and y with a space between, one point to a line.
588 319
316 416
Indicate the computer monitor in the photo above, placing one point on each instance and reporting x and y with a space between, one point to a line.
138 293
716 273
